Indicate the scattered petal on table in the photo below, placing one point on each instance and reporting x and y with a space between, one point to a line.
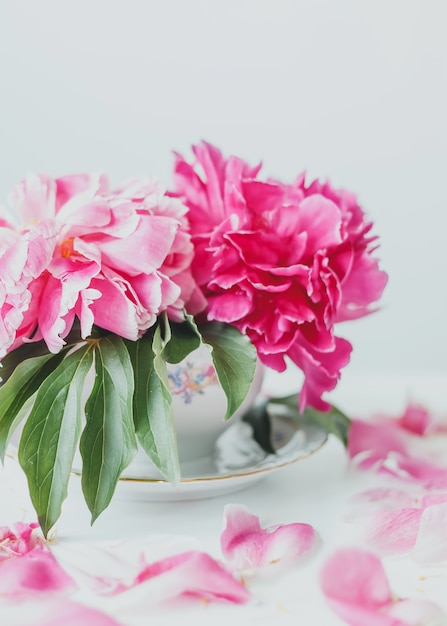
416 613
387 499
108 567
357 589
431 542
383 446
246 545
54 612
189 573
417 419
35 572
417 528
393 532
355 577
73 614
27 565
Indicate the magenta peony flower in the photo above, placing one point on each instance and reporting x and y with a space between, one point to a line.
114 258
282 263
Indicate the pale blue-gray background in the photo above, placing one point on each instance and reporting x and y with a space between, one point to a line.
353 91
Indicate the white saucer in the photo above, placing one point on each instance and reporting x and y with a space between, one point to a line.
237 462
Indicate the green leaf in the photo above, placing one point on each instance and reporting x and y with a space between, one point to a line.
184 339
51 434
20 354
24 377
333 421
153 417
108 442
234 358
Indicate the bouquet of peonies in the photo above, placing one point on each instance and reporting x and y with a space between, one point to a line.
122 281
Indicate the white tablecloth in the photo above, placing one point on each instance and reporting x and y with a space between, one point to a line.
316 491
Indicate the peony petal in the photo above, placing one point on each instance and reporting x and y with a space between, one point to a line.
26 564
416 419
356 577
18 541
34 572
75 184
416 613
116 571
401 447
189 573
54 612
107 568
431 541
374 440
356 587
246 545
73 614
363 616
321 370
393 532
229 307
321 219
393 522
387 499
382 445
117 310
34 198
144 250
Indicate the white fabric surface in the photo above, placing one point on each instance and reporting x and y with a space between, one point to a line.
314 491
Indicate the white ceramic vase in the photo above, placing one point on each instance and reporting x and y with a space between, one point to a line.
199 406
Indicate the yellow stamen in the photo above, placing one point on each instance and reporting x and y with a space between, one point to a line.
67 248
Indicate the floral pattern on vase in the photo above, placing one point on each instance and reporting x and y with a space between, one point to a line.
188 379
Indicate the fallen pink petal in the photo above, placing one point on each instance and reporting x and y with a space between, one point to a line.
431 542
246 545
417 419
27 565
191 573
110 567
55 612
398 523
416 613
385 498
384 445
356 587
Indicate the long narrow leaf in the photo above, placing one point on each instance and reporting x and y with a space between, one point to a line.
20 385
234 358
164 431
108 442
152 409
51 434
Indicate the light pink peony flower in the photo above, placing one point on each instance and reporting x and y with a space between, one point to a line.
283 263
18 541
114 258
24 255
